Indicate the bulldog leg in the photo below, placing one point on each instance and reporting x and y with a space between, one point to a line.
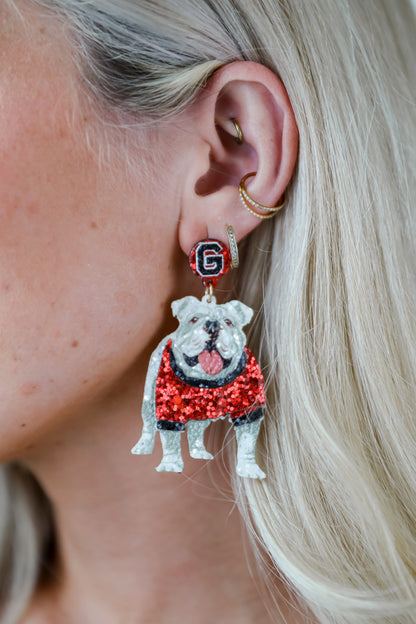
145 445
246 453
172 456
147 440
195 430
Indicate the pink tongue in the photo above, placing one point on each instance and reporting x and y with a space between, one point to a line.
211 363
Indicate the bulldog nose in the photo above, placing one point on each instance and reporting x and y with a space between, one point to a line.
211 326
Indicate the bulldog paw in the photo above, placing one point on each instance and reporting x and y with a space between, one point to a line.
170 465
145 445
200 453
250 471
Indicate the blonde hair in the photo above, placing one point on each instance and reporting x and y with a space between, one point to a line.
335 329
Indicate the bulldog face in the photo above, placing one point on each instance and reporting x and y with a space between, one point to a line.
209 341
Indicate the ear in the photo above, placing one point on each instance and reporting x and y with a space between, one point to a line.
180 306
215 162
244 313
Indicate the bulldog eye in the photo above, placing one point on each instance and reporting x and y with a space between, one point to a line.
228 322
194 320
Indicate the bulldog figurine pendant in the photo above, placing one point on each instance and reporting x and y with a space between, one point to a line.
204 372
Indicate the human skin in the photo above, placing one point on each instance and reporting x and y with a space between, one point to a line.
91 254
74 245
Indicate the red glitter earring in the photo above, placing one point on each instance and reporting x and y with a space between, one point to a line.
204 372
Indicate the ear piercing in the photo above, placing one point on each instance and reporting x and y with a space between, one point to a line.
204 372
235 261
251 204
240 137
248 202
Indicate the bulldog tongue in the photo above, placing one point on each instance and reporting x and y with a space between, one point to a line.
210 362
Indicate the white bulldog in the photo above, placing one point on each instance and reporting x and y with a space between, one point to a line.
200 373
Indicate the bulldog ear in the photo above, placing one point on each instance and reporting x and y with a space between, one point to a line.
180 307
244 313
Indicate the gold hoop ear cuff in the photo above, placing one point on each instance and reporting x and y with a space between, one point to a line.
240 137
251 204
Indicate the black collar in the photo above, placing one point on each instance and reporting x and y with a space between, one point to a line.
209 383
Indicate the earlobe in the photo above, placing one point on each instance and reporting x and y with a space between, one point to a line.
249 97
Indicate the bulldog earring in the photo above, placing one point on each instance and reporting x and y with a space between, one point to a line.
204 372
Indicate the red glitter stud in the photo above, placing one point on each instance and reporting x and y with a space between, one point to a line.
209 260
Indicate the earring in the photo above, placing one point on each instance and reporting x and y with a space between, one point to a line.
240 137
204 372
250 203
235 261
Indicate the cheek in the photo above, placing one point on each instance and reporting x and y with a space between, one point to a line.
82 286
231 340
62 350
191 339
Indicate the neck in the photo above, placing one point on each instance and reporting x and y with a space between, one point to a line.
136 545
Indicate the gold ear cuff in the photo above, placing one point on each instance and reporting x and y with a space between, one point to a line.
252 205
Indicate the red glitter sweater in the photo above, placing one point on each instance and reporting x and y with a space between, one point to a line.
177 401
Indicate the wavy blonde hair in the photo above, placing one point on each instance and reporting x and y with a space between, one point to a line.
335 327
